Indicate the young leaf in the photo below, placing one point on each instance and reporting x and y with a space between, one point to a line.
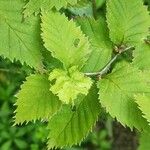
35 101
66 41
34 6
68 85
144 104
128 21
20 39
117 91
100 44
141 56
69 126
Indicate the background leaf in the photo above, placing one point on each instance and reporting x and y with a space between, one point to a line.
20 39
128 21
34 6
100 44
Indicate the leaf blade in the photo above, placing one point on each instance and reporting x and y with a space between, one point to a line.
100 43
20 39
75 125
35 101
69 87
123 83
64 39
127 25
34 6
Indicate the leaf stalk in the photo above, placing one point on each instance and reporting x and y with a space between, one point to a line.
107 67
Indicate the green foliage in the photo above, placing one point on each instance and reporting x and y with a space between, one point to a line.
121 85
129 24
36 99
144 141
64 39
143 102
34 6
68 126
20 39
141 56
100 43
76 52
68 85
14 137
82 8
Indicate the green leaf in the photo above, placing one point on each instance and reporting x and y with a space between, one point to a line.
69 126
6 145
141 56
20 39
82 8
143 102
144 142
34 6
100 44
66 41
117 91
128 21
100 3
35 101
68 85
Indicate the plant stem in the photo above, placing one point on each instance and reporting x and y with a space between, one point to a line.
94 8
108 65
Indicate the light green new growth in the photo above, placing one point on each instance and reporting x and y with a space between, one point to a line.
35 6
144 104
19 39
64 39
128 21
142 56
68 85
69 127
117 91
100 44
35 101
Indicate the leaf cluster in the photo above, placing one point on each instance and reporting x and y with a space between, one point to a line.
95 62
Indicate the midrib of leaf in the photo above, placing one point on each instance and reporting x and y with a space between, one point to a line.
97 42
70 120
